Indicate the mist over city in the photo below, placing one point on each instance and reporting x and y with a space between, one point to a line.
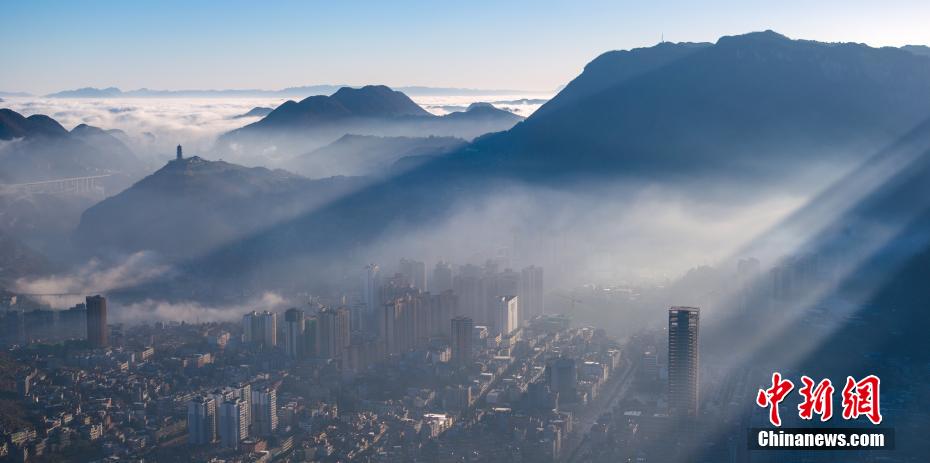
497 232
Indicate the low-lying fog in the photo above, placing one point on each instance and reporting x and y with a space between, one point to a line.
155 125
638 235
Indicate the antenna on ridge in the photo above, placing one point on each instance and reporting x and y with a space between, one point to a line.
662 40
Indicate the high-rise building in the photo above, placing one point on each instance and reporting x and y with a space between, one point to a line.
531 293
562 374
371 294
333 332
398 324
443 307
415 272
505 283
467 284
233 422
387 321
244 392
264 411
201 420
310 337
294 333
683 361
96 321
261 329
442 277
396 286
462 340
506 314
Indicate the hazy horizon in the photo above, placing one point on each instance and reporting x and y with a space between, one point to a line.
533 47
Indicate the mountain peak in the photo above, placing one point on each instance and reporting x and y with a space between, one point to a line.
479 105
767 36
88 92
377 101
84 129
14 125
369 89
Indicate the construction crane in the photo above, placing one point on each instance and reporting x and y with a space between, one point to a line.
572 299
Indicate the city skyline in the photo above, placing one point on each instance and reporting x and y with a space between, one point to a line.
435 232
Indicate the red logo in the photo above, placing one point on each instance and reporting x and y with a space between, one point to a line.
817 400
859 398
773 396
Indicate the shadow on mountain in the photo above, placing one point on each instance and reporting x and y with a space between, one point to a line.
35 153
847 301
725 122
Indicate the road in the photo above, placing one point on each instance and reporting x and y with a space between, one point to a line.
575 444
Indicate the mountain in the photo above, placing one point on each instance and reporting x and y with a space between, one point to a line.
298 127
373 101
15 125
921 50
289 92
257 111
756 111
17 260
192 205
755 104
45 150
88 92
618 66
483 112
37 149
368 154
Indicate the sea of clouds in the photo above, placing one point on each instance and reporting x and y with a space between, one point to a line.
67 289
154 126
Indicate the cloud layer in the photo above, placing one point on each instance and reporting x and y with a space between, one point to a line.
153 126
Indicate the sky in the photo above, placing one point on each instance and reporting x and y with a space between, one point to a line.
522 45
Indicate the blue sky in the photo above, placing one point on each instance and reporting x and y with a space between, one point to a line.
538 45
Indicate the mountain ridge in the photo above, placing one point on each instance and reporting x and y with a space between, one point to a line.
754 109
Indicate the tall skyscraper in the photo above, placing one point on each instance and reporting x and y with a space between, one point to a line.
415 272
398 324
531 293
683 361
467 284
442 277
261 329
233 422
333 331
244 392
506 314
387 321
97 321
310 337
265 411
443 307
371 294
562 374
294 333
462 340
201 420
